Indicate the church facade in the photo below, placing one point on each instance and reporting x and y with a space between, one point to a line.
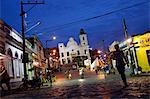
72 49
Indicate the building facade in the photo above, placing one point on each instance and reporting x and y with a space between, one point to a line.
137 51
13 54
38 60
72 50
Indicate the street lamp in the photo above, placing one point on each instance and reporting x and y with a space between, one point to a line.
99 51
37 24
53 38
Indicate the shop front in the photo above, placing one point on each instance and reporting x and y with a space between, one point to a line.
38 66
137 50
142 47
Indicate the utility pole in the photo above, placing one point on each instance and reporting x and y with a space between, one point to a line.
125 29
23 33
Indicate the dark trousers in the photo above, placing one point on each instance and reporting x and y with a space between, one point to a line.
7 84
123 77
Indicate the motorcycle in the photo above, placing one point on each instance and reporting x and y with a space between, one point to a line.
36 82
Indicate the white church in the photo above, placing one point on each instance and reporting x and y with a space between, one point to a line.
72 49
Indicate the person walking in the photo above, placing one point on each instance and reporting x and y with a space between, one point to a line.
120 63
49 77
81 72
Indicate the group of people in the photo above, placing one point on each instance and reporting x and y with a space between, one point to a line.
117 55
68 74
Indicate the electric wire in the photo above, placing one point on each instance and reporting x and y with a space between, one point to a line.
59 27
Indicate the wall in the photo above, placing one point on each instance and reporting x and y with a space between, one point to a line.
141 50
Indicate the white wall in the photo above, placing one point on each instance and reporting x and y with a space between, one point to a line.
17 63
72 47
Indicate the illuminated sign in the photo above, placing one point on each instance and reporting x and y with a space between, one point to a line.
144 40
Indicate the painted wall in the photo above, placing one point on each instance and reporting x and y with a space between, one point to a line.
144 45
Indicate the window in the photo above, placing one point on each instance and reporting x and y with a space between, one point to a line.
78 52
148 56
11 63
63 61
83 38
84 51
16 55
62 54
68 60
67 53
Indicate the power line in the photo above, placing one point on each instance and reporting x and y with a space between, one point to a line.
30 8
54 28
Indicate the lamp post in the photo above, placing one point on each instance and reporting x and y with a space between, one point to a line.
38 23
23 33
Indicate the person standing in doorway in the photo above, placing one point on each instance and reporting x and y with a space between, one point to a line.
120 63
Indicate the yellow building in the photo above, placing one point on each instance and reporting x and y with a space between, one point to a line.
142 45
137 50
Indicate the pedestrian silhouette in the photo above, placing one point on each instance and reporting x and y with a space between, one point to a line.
120 63
49 77
4 78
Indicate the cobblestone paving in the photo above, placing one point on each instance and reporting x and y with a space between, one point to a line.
139 88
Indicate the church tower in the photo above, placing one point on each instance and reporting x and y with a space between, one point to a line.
83 38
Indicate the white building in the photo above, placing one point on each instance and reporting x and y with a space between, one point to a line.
73 49
12 58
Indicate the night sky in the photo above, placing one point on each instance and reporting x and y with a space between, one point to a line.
64 18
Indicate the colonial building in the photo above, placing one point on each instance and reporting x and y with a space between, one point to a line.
12 54
73 50
38 55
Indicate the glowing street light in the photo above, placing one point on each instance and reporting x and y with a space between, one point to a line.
99 51
54 37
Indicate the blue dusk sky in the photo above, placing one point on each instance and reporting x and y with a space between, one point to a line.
101 19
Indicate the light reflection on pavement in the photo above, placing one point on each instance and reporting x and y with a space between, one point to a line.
94 87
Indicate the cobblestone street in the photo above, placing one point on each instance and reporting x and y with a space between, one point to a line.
90 88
